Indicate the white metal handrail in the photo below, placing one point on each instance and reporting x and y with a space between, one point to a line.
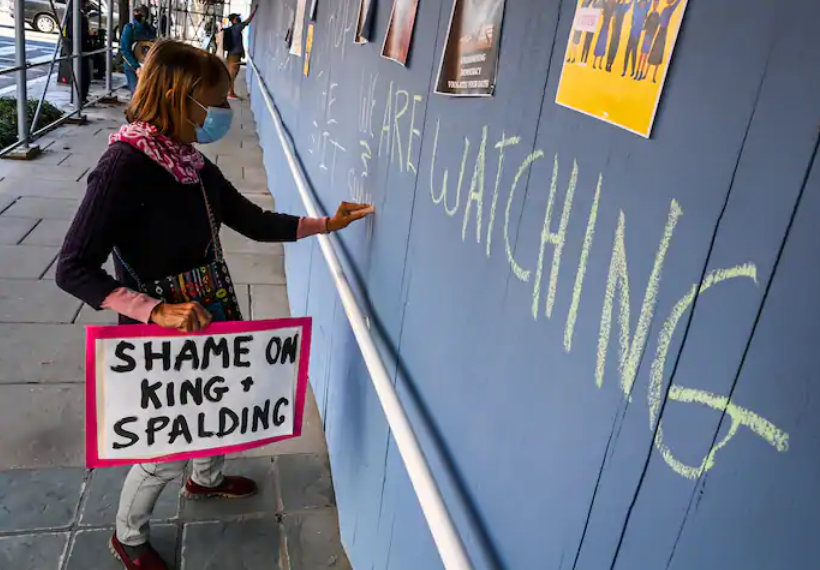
448 541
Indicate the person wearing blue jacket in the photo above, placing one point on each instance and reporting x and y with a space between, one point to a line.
137 30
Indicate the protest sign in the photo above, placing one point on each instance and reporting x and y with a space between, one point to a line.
154 394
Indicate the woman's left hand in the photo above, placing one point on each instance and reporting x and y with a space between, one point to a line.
347 214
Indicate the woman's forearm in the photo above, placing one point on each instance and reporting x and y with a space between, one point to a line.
311 226
131 304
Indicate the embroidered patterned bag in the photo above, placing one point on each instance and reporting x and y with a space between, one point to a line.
209 285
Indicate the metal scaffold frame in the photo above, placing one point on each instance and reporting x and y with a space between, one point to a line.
191 21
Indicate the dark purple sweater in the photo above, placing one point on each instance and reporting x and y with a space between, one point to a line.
159 225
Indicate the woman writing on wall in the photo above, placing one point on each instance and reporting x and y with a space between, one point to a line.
158 204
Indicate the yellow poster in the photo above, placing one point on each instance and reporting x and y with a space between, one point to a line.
617 59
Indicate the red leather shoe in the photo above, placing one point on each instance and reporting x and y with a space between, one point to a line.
232 487
142 557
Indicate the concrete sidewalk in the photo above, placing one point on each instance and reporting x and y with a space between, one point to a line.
54 513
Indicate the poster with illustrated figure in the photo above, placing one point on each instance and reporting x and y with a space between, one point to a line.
400 31
155 394
617 59
469 62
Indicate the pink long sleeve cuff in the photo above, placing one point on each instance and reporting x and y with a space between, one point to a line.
131 304
311 226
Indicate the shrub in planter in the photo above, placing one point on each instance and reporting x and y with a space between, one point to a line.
8 118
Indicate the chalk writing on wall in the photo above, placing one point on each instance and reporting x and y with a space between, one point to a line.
631 344
398 142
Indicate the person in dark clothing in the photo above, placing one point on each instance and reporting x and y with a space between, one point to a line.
640 9
609 9
617 30
157 204
237 51
589 36
138 33
576 38
86 45
658 52
650 28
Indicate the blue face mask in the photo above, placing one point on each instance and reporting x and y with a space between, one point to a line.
217 123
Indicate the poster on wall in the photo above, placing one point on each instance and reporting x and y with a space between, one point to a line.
617 60
364 22
154 394
469 63
308 49
400 31
298 28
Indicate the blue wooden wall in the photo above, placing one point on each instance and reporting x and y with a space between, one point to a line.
684 289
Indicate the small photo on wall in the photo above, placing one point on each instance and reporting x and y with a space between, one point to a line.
469 63
400 31
364 22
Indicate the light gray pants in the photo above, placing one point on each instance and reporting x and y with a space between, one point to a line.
145 483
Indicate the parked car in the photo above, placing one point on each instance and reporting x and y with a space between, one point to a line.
40 16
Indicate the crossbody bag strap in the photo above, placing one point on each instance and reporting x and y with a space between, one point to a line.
128 268
212 221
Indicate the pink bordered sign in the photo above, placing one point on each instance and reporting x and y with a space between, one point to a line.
153 394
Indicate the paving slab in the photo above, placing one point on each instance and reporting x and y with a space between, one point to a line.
41 353
41 426
249 545
89 548
261 470
256 268
25 261
263 200
49 233
85 157
37 187
102 498
251 158
47 171
52 271
44 208
40 499
50 157
232 171
33 551
305 481
31 301
89 316
234 242
6 201
255 176
243 295
13 230
269 302
313 541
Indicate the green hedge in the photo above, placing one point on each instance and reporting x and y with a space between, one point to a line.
8 118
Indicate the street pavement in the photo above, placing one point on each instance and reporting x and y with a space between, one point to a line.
35 51
54 513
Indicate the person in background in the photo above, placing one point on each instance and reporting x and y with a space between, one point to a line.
86 45
158 204
135 31
236 50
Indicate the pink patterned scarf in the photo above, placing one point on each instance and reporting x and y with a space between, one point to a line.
183 161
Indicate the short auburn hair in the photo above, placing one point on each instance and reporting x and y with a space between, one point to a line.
171 73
